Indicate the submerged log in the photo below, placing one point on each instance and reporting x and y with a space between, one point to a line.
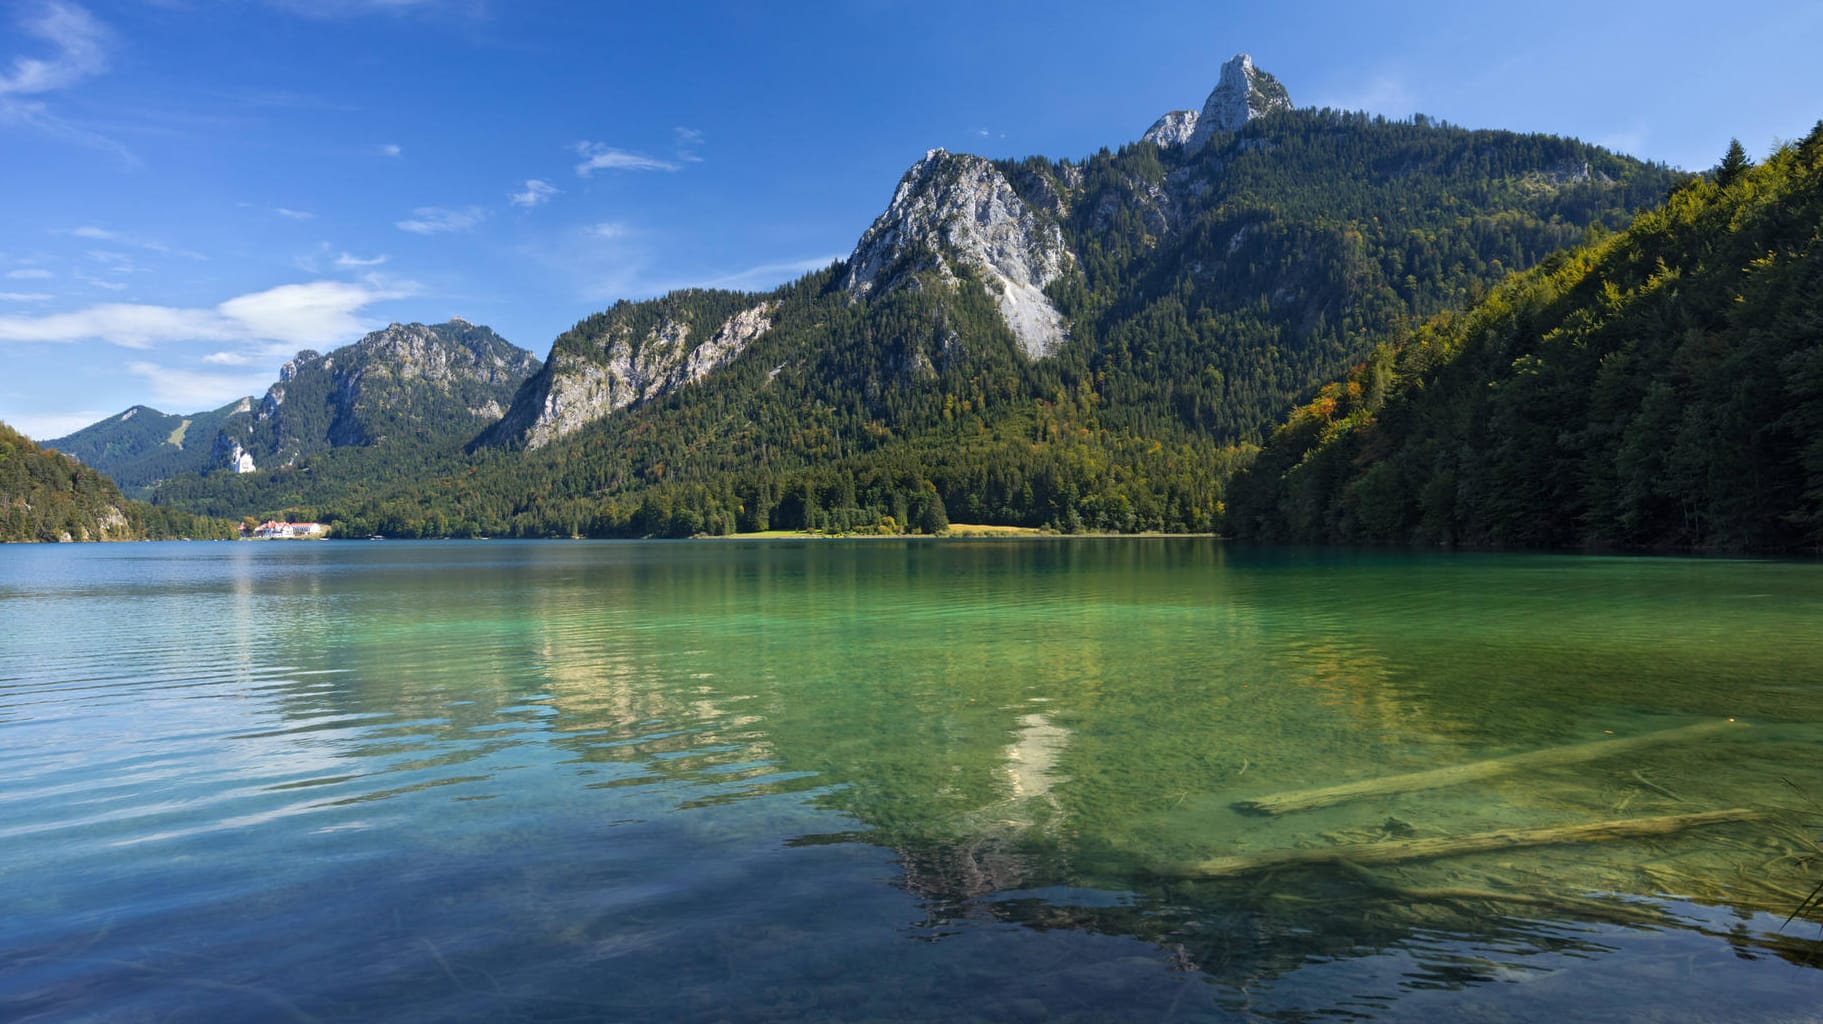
1456 775
1609 910
1482 842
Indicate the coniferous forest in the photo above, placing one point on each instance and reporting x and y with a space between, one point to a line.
1656 388
46 496
1208 293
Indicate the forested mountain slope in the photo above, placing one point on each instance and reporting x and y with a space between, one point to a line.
1661 388
408 385
1086 343
142 447
46 496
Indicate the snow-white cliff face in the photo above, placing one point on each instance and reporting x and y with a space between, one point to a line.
1244 93
955 207
584 388
1174 129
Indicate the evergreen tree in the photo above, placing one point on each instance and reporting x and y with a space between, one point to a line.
1734 164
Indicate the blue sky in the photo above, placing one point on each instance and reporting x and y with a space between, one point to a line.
193 190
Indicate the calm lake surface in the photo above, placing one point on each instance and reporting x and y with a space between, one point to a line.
891 780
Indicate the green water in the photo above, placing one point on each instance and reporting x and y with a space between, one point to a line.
885 780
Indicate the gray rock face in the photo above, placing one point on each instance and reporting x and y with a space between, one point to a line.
1174 129
580 388
954 209
1244 93
406 382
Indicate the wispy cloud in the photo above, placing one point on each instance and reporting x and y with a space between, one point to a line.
175 388
598 156
432 220
25 297
42 427
101 234
296 315
689 140
78 47
290 214
349 261
391 149
609 229
119 262
79 42
30 274
536 193
763 276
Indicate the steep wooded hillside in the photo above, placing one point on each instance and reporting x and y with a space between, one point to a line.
1660 388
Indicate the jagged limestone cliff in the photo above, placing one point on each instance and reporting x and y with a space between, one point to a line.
405 383
955 213
619 359
1244 93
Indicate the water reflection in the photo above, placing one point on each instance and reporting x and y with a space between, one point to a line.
664 780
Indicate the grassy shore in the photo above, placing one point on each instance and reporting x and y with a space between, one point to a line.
955 531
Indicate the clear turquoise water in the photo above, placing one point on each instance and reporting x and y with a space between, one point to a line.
887 781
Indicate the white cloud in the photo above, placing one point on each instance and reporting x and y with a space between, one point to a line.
536 193
348 261
99 234
390 149
101 282
431 220
290 214
689 140
230 359
79 41
189 389
79 46
43 427
30 274
25 296
764 276
597 156
609 229
319 313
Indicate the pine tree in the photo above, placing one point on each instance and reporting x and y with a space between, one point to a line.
1734 164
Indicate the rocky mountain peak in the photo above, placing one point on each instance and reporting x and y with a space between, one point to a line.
954 209
1243 93
1174 129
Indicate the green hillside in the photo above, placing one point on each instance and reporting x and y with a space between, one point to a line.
142 447
46 496
1660 388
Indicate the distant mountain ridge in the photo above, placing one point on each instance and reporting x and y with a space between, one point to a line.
403 384
141 446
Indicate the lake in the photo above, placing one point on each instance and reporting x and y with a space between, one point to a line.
885 780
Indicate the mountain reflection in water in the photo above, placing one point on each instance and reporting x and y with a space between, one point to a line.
733 780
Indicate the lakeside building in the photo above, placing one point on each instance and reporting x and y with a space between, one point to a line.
272 529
